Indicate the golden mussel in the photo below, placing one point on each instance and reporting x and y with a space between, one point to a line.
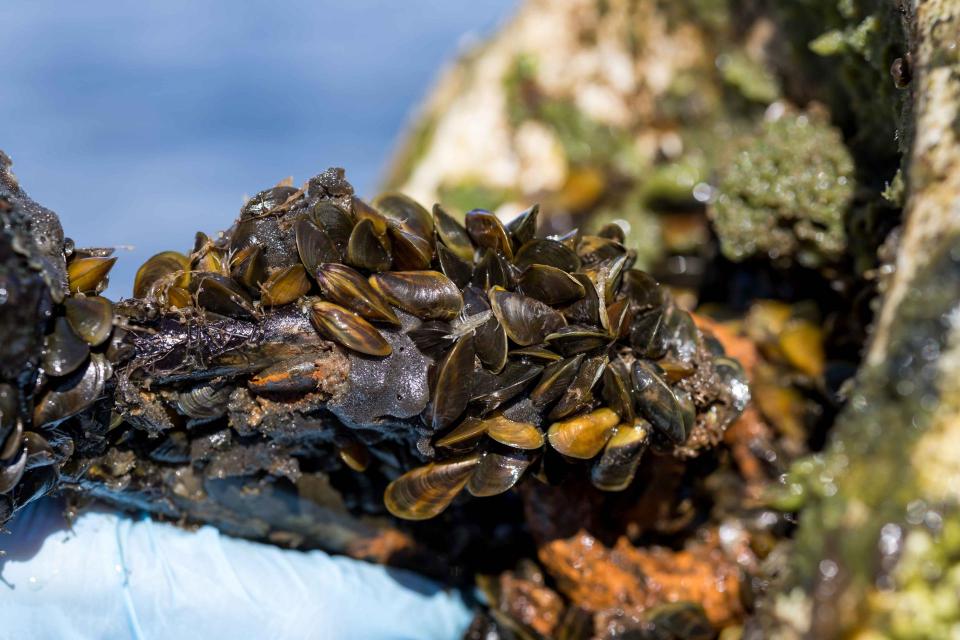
348 329
487 232
285 285
88 274
426 294
426 491
346 287
165 269
90 317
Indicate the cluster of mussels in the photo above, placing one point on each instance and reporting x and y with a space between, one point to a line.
540 354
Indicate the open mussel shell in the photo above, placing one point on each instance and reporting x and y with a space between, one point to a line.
585 435
344 286
285 285
88 274
204 402
549 252
579 395
426 491
426 294
492 270
348 329
165 269
524 226
454 267
314 245
63 350
517 435
221 295
615 469
452 234
576 338
550 284
486 231
555 380
90 317
73 394
336 224
452 388
654 399
248 267
526 320
368 248
433 338
495 390
497 473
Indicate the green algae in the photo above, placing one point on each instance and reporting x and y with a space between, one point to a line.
785 192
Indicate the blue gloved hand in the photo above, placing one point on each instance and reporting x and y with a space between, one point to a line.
111 576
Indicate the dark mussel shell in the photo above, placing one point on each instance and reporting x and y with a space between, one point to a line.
89 274
404 212
492 270
641 289
315 245
549 252
550 285
354 455
204 402
452 388
426 294
369 247
583 436
337 224
285 285
12 472
497 473
523 227
73 394
526 320
536 353
452 234
90 317
39 451
248 267
491 342
555 380
616 390
344 286
207 256
579 395
221 295
681 337
654 399
499 389
576 338
433 338
464 435
487 232
586 310
454 267
648 334
595 249
614 470
348 329
165 269
613 231
13 443
63 350
426 491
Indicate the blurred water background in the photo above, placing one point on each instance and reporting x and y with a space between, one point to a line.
141 123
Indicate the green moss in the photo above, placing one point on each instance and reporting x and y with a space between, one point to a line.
754 81
784 193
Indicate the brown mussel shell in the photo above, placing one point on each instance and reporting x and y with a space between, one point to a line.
10 474
487 232
579 395
585 435
348 329
526 320
404 212
88 274
549 252
248 267
221 295
426 294
451 391
492 270
452 234
454 267
300 374
555 380
354 455
550 285
369 248
496 473
426 491
344 286
464 435
576 338
165 269
63 350
654 399
524 226
499 389
285 285
616 390
615 469
336 224
314 245
433 338
90 317
74 393
517 435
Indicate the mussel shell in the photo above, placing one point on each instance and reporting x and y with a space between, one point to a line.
452 234
496 473
550 285
285 285
336 223
13 443
491 342
499 389
88 274
586 310
648 334
654 399
524 226
354 455
613 231
424 492
536 353
90 317
464 435
583 436
594 249
10 474
344 286
681 337
641 289
165 269
579 395
63 350
426 294
433 338
369 249
348 329
204 402
735 380
615 469
248 267
555 380
549 252
452 388
300 374
314 245
404 212
526 320
616 391
73 394
176 298
688 410
454 267
411 251
486 231
39 451
685 620
221 295
206 256
8 409
516 435
492 270
576 338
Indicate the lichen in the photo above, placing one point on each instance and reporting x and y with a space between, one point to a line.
784 193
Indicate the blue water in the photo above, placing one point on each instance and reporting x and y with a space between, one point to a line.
142 122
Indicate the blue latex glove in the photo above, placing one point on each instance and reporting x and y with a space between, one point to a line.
111 576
